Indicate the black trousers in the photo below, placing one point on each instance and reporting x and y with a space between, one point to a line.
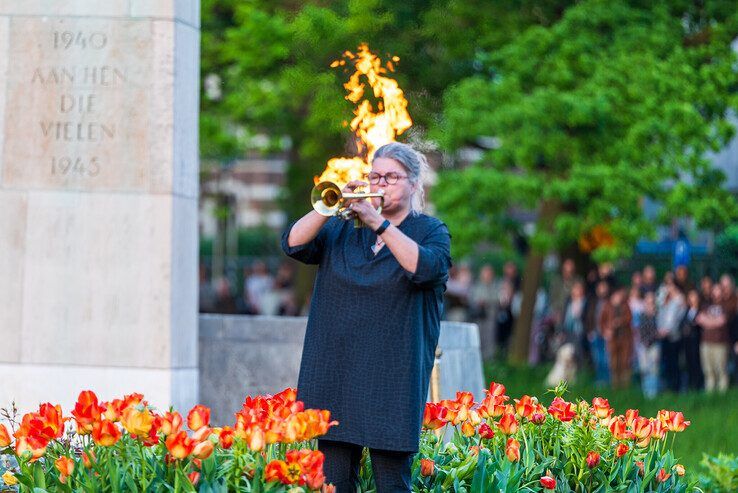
391 468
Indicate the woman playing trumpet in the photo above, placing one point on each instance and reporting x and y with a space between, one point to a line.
374 320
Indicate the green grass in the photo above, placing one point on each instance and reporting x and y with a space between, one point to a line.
714 417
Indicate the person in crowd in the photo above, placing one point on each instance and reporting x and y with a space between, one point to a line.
505 320
605 272
648 349
731 306
649 284
284 281
225 302
615 322
705 289
636 280
484 302
258 287
597 347
457 294
715 339
635 303
681 278
560 289
671 314
207 294
374 320
663 290
572 327
691 335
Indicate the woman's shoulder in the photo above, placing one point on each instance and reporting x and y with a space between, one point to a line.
425 223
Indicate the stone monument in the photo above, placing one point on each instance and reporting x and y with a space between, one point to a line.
98 200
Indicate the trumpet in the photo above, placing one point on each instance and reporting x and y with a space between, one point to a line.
328 200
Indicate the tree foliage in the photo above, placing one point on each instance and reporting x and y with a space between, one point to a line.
614 102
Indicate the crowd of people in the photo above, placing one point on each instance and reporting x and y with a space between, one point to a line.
261 293
671 335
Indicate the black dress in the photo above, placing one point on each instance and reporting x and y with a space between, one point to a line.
372 330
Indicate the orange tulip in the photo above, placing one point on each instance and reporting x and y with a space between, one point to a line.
276 470
593 459
467 429
4 437
619 429
88 458
621 449
113 410
662 476
561 410
512 450
630 416
601 408
642 428
34 445
86 412
508 424
434 416
64 465
525 406
226 437
676 422
658 429
496 389
137 420
179 445
427 467
105 433
171 422
198 417
203 450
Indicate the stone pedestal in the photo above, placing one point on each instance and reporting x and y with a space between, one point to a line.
245 355
98 200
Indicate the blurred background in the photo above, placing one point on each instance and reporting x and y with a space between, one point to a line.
583 155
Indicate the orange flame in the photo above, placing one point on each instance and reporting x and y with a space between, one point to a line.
372 129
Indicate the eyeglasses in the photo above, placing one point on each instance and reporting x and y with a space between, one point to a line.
389 178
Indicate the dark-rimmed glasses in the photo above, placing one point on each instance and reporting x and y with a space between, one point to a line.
389 178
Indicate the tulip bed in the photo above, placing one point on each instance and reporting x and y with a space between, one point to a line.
515 445
498 444
126 446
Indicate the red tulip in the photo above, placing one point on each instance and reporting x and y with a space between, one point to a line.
427 467
662 476
525 406
548 482
486 431
194 477
226 437
621 450
593 459
105 433
86 412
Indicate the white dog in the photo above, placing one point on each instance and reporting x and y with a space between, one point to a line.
565 367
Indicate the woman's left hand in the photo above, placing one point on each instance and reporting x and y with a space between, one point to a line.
367 213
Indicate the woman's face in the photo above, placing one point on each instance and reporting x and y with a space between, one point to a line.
398 196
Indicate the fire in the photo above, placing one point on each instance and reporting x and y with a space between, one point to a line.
372 128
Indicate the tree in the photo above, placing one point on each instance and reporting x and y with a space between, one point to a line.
614 102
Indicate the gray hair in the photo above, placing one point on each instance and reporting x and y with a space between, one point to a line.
414 162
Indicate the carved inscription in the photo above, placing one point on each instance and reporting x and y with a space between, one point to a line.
78 93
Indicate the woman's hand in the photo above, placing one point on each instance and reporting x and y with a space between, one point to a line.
363 208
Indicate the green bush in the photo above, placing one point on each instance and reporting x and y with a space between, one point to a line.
721 473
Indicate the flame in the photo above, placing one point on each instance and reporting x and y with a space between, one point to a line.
372 129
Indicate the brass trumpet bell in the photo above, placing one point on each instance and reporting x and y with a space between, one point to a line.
328 200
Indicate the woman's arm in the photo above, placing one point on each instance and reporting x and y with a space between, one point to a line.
306 229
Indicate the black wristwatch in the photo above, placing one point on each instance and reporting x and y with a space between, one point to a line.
383 227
